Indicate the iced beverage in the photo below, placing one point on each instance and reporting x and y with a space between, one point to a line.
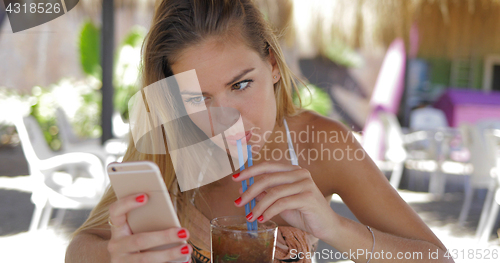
232 242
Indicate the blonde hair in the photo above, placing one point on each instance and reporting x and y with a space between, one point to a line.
176 25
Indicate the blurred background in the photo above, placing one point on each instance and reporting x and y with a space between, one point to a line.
417 80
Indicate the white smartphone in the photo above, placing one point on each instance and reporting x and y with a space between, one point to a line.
158 213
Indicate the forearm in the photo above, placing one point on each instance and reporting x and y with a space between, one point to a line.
356 241
87 247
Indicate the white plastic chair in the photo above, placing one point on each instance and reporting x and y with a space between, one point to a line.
53 188
431 154
430 121
386 144
383 141
483 161
112 151
395 152
490 214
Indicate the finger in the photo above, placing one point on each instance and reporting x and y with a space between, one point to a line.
118 213
265 167
166 255
298 202
268 181
275 194
258 197
147 240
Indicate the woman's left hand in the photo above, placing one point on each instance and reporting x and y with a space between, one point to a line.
289 191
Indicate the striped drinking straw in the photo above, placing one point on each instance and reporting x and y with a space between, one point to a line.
244 182
250 163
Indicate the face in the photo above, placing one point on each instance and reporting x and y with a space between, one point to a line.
232 75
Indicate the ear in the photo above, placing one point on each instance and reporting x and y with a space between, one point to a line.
275 71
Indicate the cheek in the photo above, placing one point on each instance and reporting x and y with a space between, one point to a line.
270 104
262 102
261 110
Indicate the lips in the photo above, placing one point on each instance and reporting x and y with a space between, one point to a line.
233 138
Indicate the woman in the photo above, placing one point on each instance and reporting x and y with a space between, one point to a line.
239 64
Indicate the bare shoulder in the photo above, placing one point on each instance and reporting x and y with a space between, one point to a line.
340 165
323 145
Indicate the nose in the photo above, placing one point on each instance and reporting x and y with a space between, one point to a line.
223 118
224 113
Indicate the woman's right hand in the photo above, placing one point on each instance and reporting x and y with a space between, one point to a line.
125 246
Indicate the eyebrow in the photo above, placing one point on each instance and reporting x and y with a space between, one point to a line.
237 77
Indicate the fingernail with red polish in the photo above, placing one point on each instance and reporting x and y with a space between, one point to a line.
260 218
140 199
237 201
185 250
250 216
236 175
182 233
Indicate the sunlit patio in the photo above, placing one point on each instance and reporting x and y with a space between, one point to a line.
417 82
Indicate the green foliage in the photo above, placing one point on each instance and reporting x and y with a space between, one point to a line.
44 112
11 100
86 120
126 61
342 54
89 47
80 100
135 37
127 69
315 99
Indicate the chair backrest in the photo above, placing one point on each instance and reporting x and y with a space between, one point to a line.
486 127
427 119
33 142
492 139
65 130
395 150
389 87
383 137
373 136
482 153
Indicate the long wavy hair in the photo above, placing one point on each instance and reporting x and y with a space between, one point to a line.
178 24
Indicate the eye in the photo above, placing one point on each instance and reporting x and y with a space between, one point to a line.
241 85
196 100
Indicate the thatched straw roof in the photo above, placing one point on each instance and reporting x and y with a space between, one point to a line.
459 28
447 28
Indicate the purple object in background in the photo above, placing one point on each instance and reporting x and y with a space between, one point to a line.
468 106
